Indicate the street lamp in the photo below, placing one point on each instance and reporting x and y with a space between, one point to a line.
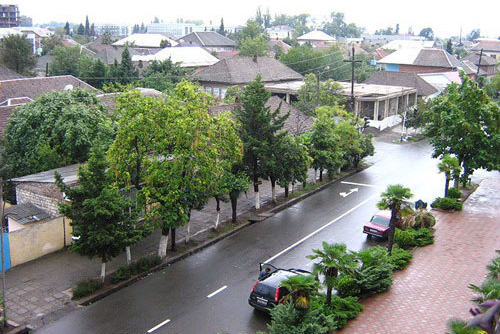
318 75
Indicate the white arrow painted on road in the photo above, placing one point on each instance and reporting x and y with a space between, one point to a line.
350 192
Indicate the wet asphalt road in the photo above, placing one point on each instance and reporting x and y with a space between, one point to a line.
179 292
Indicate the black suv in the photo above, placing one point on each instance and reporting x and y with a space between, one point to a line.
267 292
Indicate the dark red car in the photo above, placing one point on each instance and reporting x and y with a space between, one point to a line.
378 225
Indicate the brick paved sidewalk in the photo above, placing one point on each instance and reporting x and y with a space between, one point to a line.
433 288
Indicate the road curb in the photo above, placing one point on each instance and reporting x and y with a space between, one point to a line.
85 301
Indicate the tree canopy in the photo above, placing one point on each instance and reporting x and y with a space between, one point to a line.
17 53
466 123
57 129
337 26
254 46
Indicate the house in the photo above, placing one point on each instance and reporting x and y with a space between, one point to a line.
316 38
35 35
441 80
382 104
384 39
280 32
378 54
210 40
240 71
189 57
399 44
420 61
23 215
276 45
403 79
146 41
296 124
9 16
488 66
489 46
16 92
111 53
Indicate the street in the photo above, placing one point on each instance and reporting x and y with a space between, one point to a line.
208 292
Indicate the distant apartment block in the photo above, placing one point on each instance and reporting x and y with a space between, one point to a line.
113 29
176 29
9 16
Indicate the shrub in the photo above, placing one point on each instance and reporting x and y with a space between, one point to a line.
404 239
286 319
454 193
446 203
423 237
85 288
489 289
456 326
344 309
143 264
400 258
347 286
418 219
375 274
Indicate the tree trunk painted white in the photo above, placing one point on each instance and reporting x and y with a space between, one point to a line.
188 231
162 249
338 171
257 201
128 254
103 271
315 175
273 193
217 219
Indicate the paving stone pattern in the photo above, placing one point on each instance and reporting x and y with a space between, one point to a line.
433 288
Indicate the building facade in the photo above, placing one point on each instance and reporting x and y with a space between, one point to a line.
9 16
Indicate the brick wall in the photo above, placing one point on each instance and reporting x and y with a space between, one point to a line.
46 196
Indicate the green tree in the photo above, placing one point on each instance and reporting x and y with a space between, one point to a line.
98 74
474 34
303 59
17 53
65 62
81 30
465 122
259 126
106 38
66 28
251 30
57 129
449 47
127 72
87 26
99 213
492 87
337 26
333 259
302 288
233 182
92 30
450 167
258 17
293 161
163 75
330 94
427 33
324 146
221 29
50 43
254 47
392 198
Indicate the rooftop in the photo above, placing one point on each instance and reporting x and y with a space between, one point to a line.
316 35
68 173
26 213
193 56
145 40
207 39
402 79
422 57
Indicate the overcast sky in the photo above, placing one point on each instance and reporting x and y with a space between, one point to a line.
443 16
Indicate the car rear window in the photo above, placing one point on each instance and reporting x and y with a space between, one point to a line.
380 220
265 290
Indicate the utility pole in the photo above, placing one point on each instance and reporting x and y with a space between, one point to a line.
352 61
479 64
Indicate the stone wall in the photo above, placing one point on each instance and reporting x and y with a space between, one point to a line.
39 239
46 196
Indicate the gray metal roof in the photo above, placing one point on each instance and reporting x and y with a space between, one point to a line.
26 213
68 173
405 79
207 39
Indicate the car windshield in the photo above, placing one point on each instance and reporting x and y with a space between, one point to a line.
380 220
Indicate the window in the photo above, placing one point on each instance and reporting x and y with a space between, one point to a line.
223 92
208 90
216 92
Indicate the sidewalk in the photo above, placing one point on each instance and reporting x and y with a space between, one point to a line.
433 288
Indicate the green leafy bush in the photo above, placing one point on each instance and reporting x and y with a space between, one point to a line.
400 258
454 193
143 264
411 237
347 286
286 319
404 239
456 326
417 219
344 309
489 289
375 273
85 288
446 203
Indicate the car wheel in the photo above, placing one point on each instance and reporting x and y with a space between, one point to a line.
368 236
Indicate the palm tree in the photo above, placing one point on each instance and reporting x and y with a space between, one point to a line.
392 199
449 166
334 258
301 288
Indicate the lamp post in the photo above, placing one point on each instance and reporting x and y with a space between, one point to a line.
318 75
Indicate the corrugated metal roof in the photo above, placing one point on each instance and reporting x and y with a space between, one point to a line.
193 56
145 40
26 213
316 35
